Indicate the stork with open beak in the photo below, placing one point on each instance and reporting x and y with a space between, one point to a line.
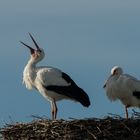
52 83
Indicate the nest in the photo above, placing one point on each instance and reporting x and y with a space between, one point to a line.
109 128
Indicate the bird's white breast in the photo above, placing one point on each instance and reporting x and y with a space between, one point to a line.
28 78
111 88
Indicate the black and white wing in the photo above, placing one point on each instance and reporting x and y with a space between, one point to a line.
59 82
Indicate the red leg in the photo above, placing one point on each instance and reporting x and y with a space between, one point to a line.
53 109
126 112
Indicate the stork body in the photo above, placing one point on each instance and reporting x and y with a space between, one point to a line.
123 87
52 83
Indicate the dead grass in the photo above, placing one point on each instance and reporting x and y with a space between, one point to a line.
109 128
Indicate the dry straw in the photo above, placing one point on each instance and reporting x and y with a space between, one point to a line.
109 128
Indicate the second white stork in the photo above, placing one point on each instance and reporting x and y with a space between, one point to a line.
51 82
124 87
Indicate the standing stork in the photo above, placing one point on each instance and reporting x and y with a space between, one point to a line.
124 87
52 83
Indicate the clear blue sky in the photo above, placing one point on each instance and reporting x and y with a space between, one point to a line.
84 38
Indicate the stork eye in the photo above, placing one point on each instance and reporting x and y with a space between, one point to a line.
114 72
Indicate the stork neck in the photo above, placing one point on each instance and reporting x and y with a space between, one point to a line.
31 64
29 74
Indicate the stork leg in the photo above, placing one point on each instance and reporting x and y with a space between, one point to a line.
126 112
54 109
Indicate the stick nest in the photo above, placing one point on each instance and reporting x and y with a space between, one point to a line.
109 128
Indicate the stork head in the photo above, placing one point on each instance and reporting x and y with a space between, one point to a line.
36 54
116 70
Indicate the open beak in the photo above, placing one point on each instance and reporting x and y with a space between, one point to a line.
31 49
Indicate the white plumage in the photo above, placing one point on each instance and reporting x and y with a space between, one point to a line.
51 82
124 87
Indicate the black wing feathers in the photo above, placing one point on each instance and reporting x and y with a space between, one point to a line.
68 79
136 94
72 91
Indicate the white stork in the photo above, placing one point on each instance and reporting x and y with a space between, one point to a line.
52 83
124 87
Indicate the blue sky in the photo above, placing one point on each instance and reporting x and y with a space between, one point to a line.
83 38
